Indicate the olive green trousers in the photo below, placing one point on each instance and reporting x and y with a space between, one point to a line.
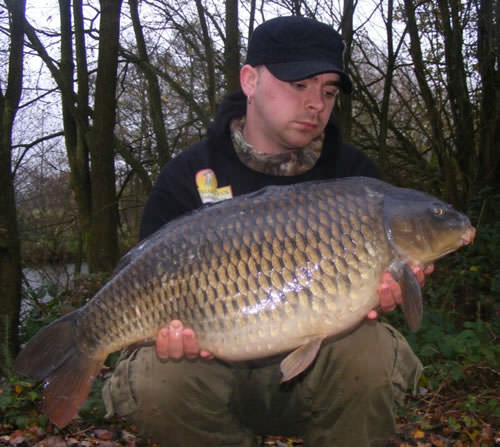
346 398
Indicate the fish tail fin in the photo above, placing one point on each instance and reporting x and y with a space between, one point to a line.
52 355
67 389
412 299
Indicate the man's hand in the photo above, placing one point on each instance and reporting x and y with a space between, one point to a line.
389 291
175 342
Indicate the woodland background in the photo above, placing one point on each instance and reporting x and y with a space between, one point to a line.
96 96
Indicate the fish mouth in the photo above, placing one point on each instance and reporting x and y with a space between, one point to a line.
469 236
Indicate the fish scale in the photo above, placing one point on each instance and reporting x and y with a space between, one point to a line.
270 272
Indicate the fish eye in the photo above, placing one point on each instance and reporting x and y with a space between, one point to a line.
438 211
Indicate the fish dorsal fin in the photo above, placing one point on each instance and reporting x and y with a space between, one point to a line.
298 361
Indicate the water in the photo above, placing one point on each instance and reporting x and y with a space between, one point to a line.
44 282
58 275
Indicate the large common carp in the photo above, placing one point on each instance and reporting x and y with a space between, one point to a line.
274 271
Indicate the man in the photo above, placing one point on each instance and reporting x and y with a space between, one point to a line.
278 130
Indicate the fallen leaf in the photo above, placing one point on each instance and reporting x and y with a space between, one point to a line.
487 433
17 437
435 441
103 435
51 441
418 434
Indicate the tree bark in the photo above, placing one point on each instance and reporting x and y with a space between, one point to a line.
458 93
209 57
489 63
344 110
103 243
10 253
153 88
232 47
384 108
75 116
438 142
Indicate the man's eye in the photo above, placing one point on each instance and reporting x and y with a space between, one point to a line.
299 85
332 93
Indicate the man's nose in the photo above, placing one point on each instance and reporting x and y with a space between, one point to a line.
315 100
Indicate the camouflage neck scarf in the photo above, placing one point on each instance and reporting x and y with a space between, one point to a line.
294 162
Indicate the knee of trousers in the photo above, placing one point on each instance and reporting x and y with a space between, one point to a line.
177 402
142 386
366 362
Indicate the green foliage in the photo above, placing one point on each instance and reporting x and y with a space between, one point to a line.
450 354
41 306
19 401
93 409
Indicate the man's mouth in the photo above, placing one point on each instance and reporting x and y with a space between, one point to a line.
309 125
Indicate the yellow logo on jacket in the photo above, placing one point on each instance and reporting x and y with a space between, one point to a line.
206 182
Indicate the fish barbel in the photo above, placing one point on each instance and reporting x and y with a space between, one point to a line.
274 271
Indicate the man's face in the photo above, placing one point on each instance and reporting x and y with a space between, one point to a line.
290 115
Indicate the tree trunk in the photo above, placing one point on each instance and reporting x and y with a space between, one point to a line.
10 253
345 106
458 93
209 57
489 63
232 47
75 116
439 147
80 163
103 243
384 108
153 88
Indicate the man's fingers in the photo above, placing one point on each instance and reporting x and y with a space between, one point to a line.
191 346
175 340
162 344
206 355
389 293
419 273
429 269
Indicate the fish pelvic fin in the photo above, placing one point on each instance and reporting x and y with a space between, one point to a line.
412 298
52 355
298 361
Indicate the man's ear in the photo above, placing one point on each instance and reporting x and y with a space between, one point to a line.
248 79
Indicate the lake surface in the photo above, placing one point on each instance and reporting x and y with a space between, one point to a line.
58 275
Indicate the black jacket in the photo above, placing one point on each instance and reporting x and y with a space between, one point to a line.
175 191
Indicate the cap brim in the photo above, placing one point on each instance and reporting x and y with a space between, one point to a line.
296 71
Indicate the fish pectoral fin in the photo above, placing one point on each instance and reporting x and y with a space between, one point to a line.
412 298
298 361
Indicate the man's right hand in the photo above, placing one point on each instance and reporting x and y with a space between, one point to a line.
175 342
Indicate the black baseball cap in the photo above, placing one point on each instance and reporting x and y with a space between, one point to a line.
295 48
